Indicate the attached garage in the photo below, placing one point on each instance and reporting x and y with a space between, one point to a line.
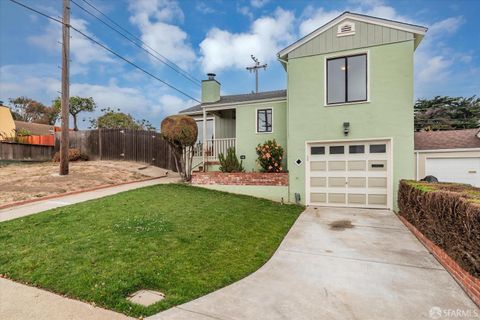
349 174
450 156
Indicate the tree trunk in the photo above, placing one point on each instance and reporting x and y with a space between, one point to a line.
75 128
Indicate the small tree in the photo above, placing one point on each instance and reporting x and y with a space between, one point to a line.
77 105
230 163
111 119
29 110
181 133
270 156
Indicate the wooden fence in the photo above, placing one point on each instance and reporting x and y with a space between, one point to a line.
14 151
122 144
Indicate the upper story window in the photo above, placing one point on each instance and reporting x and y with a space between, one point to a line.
264 120
347 79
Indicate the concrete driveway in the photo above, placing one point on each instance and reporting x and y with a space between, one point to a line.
339 264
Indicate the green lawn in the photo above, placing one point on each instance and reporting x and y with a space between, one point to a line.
181 240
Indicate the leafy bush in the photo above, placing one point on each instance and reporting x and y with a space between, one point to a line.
270 155
230 163
447 214
73 155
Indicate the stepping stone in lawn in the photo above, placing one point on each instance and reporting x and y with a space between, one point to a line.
146 297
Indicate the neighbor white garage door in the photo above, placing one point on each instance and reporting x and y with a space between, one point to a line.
460 170
349 174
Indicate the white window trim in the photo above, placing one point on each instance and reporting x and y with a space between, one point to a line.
340 55
256 120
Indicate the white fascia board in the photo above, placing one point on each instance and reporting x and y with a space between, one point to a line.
352 16
447 150
233 105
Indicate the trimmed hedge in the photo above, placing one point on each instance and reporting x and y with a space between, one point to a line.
447 214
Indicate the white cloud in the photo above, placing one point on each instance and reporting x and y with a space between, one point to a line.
315 18
445 27
155 20
258 3
222 49
41 82
82 50
204 8
245 11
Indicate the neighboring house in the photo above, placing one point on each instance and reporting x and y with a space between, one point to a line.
345 120
7 126
450 156
35 129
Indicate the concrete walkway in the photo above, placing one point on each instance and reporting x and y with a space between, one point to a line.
339 264
39 206
21 302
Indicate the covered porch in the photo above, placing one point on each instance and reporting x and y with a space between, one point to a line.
216 134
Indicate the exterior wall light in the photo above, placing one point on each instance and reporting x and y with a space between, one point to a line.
346 128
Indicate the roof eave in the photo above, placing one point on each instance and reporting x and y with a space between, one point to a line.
417 30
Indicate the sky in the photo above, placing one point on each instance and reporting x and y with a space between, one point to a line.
202 36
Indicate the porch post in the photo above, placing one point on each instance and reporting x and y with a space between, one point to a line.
205 147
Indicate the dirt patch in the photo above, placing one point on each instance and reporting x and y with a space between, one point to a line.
341 225
24 181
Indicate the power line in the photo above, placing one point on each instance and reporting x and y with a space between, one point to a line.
165 60
107 49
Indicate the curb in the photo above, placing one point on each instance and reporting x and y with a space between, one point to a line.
467 282
60 195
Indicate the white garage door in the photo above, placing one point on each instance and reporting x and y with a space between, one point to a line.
460 170
353 174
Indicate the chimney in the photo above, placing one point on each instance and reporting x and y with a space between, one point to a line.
210 89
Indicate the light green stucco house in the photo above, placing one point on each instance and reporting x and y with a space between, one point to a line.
345 120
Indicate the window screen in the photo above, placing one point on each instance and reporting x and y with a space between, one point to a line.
347 79
264 120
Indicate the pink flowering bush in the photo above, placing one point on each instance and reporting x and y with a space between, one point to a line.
270 155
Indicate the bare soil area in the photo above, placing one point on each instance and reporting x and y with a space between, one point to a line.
23 181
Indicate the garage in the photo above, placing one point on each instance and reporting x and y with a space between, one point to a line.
460 170
450 156
349 174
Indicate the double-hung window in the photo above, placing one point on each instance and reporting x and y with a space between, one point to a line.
264 120
347 79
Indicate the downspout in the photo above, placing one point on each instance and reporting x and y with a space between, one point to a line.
416 166
204 129
285 62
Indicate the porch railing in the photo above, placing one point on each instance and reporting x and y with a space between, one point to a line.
214 147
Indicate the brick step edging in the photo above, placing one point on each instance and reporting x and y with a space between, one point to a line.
469 283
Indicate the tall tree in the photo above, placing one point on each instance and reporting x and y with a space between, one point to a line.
77 105
29 110
447 113
112 119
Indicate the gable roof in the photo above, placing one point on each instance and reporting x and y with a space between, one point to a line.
238 98
418 31
451 139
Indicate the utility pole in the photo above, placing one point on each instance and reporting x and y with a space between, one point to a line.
64 143
255 68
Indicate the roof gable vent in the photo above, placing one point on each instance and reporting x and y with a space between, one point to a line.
346 29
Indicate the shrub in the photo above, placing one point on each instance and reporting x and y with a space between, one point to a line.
447 214
181 132
73 155
270 155
230 163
